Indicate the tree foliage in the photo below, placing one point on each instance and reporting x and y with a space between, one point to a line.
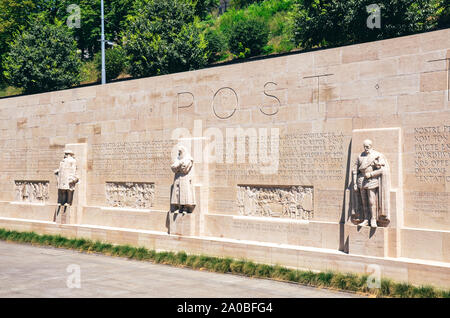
115 62
164 37
334 22
217 43
89 32
248 37
43 58
204 7
14 16
239 4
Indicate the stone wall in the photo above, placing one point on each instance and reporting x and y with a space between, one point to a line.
321 105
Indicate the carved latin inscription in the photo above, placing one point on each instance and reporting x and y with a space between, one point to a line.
295 202
303 158
31 191
432 154
130 194
123 159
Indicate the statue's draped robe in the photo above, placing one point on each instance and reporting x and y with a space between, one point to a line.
183 192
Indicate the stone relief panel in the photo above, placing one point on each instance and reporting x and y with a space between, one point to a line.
31 191
295 202
137 195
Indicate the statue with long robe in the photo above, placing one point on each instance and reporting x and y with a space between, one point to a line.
183 192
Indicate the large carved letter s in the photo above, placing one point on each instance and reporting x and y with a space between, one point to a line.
273 96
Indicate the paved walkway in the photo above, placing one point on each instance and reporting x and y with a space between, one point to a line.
29 271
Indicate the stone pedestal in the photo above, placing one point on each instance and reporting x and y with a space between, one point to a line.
190 224
367 241
180 224
64 214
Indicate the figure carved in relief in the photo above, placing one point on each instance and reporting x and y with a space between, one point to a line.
66 178
371 185
130 194
183 193
31 191
294 202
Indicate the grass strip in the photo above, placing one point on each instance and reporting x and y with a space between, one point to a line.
333 280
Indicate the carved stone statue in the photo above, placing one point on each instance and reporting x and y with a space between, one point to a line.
66 178
183 193
371 185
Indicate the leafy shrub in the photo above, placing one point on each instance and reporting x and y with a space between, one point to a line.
89 72
248 37
164 37
335 22
204 7
238 4
43 58
217 43
115 62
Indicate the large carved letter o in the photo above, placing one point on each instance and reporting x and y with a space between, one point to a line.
237 103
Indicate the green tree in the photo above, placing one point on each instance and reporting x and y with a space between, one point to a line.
43 58
239 4
115 62
248 37
204 7
444 15
217 43
335 22
89 31
164 37
14 15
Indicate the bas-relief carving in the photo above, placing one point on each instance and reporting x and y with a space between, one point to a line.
130 194
371 188
31 191
295 202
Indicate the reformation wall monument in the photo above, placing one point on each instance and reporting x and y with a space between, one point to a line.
336 159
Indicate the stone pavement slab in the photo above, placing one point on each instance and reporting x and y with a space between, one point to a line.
30 271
